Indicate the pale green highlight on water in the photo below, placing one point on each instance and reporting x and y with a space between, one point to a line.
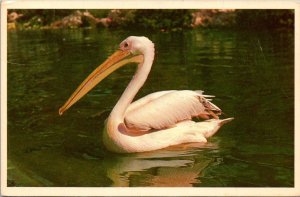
251 74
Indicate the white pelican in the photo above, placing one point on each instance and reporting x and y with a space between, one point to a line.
156 121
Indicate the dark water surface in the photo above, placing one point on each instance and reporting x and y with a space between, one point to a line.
251 73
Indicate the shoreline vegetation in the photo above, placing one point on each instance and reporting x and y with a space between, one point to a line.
156 20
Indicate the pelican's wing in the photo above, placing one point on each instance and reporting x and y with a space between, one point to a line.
167 109
146 99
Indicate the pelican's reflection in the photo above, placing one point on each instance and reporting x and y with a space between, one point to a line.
175 166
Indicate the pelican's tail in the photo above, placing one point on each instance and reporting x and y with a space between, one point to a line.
216 125
224 121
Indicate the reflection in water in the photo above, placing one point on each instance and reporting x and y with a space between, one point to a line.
169 167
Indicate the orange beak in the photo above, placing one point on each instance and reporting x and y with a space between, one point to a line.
115 61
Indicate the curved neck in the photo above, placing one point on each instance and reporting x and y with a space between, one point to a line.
134 86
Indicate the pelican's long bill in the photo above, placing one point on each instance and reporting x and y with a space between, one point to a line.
115 61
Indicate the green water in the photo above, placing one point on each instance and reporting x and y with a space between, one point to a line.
251 73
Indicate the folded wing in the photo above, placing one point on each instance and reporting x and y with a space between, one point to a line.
165 109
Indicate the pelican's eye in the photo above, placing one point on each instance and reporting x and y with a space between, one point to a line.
126 45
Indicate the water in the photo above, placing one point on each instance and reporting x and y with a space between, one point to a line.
251 73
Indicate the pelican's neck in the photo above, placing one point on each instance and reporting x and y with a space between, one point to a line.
134 86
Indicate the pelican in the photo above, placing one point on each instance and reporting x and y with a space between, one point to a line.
156 121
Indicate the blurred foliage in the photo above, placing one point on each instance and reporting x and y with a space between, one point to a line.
164 20
265 19
38 18
161 20
44 16
214 18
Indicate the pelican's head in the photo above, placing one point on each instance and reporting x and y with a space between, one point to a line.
132 50
136 44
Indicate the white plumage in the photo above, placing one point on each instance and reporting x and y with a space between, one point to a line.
166 109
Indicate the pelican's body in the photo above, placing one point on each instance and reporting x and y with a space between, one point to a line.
157 120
